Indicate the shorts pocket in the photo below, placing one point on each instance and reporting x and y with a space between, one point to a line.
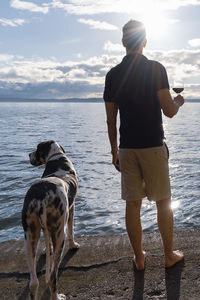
161 152
164 144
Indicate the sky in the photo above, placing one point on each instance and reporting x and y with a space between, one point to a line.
57 49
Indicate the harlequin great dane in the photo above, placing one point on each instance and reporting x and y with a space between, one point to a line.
49 206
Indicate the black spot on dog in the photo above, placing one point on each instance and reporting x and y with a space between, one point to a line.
56 202
55 227
32 227
53 165
40 211
43 150
31 209
37 158
52 220
61 209
72 191
24 223
53 281
63 242
38 192
33 248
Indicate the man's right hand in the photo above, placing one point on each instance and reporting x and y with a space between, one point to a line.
179 100
168 105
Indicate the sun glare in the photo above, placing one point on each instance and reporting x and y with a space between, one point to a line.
175 204
152 14
155 27
155 23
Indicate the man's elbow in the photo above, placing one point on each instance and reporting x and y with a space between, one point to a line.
170 113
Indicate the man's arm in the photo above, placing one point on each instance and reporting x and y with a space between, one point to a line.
169 107
111 113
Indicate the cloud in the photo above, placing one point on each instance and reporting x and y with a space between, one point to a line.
30 6
176 4
97 24
182 65
49 78
40 78
6 58
48 90
192 91
194 43
12 22
90 7
111 47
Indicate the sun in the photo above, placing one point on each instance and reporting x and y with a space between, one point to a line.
152 13
155 22
155 28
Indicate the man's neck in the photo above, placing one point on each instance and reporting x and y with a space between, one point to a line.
139 51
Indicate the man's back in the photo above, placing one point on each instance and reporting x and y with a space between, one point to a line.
133 86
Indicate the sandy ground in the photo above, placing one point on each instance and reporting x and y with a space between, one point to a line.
103 269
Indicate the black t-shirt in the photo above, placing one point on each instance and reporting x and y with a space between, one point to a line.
133 86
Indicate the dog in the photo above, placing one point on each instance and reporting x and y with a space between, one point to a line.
49 206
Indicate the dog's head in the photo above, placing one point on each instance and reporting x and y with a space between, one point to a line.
44 151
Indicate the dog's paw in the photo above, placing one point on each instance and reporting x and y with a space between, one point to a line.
58 297
61 297
73 245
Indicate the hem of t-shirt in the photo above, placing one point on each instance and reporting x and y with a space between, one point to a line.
141 146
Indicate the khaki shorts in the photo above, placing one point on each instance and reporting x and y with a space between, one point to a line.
145 173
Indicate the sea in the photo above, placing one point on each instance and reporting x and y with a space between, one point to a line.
80 128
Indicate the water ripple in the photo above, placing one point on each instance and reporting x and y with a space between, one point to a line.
81 130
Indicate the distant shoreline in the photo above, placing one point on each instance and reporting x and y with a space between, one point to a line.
70 100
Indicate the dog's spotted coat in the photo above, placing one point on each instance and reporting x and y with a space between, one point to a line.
49 206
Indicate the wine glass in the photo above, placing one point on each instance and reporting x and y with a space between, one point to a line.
178 86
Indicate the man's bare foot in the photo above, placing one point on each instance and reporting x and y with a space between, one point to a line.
173 258
139 261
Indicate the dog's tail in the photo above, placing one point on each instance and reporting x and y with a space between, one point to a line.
47 239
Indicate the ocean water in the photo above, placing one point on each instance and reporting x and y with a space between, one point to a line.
81 129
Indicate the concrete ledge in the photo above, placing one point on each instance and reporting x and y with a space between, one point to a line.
103 269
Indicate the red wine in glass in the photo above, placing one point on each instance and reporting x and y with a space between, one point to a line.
178 86
178 90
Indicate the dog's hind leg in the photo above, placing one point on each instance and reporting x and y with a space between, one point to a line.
48 254
32 236
72 243
58 246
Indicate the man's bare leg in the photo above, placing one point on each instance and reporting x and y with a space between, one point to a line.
165 225
134 229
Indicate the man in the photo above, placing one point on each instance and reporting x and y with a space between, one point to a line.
139 89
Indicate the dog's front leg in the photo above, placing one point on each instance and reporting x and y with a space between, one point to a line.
72 243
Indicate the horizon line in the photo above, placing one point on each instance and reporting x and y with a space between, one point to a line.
91 99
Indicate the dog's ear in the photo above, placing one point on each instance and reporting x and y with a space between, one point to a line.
62 148
44 148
